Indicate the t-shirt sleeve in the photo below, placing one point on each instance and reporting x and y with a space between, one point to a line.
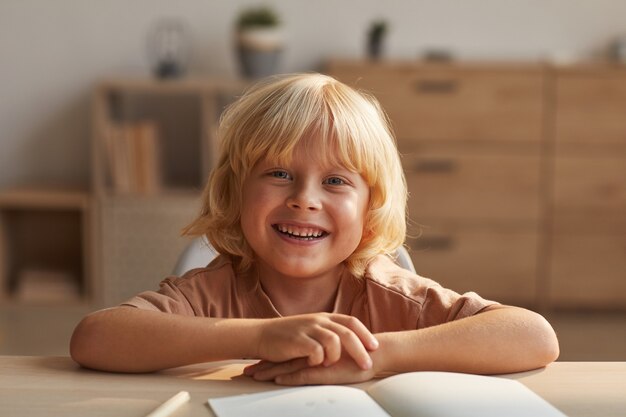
402 300
168 299
441 305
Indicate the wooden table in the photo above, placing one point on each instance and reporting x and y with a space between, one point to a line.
56 386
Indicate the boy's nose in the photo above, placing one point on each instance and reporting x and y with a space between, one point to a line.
304 198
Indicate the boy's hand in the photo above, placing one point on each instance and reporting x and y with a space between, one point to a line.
318 338
298 372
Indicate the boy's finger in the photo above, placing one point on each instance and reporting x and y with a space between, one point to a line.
315 354
367 338
255 367
353 347
282 368
294 378
330 342
308 376
359 354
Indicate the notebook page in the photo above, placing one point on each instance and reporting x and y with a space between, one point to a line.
447 394
327 401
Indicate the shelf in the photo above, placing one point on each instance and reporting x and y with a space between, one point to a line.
160 133
44 245
44 198
184 85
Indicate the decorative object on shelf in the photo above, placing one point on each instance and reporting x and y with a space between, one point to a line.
375 39
437 55
259 42
618 50
168 48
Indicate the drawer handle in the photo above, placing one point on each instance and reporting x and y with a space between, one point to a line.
436 86
440 243
435 166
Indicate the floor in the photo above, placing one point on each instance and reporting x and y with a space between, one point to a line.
41 330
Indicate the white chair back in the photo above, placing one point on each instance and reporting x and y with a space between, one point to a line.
200 253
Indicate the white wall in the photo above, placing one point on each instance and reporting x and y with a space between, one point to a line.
52 52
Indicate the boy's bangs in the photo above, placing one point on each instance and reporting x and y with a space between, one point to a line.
339 147
344 149
353 147
325 121
280 128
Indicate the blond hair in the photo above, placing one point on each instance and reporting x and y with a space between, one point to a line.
268 121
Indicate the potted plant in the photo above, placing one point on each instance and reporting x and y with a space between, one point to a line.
259 41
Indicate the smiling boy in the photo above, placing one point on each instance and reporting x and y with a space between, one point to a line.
306 207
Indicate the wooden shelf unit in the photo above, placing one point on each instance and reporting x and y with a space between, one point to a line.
137 237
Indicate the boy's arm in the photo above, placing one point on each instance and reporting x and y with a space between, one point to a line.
127 339
500 339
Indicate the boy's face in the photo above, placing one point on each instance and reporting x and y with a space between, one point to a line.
303 219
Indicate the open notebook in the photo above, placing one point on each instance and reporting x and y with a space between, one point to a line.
423 394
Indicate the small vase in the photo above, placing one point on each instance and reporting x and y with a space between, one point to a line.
259 51
258 64
374 49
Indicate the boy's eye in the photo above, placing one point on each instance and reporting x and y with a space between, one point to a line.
284 175
334 181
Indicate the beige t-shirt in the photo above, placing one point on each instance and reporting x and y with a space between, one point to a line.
387 299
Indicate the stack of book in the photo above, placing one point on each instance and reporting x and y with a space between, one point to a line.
133 157
40 285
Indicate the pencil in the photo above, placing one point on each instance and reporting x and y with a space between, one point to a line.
171 405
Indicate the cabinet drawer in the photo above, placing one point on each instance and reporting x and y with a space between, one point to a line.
590 194
497 263
590 108
444 103
480 186
588 270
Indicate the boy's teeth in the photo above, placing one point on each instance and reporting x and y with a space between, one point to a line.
301 232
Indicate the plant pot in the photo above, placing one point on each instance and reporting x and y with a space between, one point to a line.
259 51
258 64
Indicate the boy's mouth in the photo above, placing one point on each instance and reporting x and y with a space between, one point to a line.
300 233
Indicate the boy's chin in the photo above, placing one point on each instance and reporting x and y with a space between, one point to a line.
306 270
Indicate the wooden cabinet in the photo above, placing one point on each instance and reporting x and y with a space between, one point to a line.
471 139
516 175
137 229
588 245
